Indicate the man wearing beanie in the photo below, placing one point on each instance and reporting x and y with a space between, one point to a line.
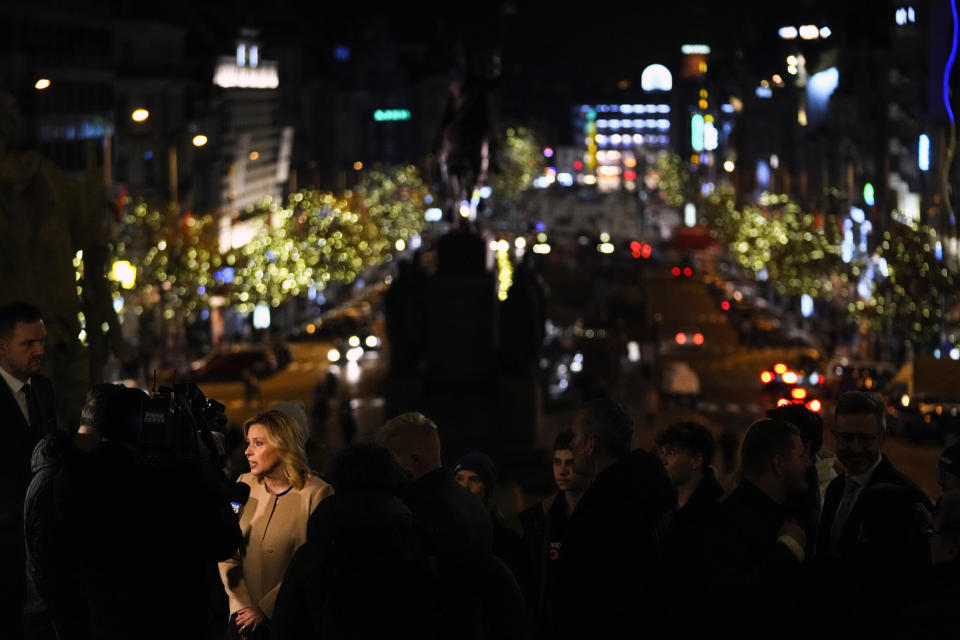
477 474
606 582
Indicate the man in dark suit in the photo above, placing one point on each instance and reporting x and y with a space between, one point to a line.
869 536
27 413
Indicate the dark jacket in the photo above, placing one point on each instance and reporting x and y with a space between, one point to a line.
544 525
153 534
479 596
57 499
681 537
20 438
932 613
359 575
607 579
754 580
885 473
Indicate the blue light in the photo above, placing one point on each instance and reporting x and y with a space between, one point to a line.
856 213
270 256
427 199
806 306
148 155
541 227
485 192
820 86
923 152
726 108
312 292
938 250
224 275
763 173
948 69
764 92
201 289
205 314
341 53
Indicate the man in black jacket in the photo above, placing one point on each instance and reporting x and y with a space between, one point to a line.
868 538
607 583
686 450
479 596
755 551
27 413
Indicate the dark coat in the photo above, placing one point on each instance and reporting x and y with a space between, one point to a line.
479 596
885 473
681 537
754 580
932 612
19 440
607 576
359 575
544 525
59 497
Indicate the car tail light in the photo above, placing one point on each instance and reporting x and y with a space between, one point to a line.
687 272
766 377
779 368
698 339
676 272
814 405
782 402
798 393
681 338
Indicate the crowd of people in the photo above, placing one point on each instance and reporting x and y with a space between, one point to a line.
103 537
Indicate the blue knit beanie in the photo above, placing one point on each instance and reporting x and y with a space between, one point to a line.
481 464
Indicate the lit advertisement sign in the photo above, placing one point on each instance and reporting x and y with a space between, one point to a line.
231 76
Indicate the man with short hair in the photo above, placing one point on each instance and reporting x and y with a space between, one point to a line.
27 413
605 586
544 525
686 451
478 595
867 539
755 551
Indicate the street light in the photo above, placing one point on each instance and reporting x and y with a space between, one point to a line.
42 84
139 115
199 140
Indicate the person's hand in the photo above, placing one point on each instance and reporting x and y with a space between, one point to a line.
248 620
793 530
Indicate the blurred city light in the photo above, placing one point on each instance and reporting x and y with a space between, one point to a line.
766 377
729 166
923 153
868 195
787 33
42 84
199 140
814 405
139 115
124 273
809 32
333 355
433 214
261 316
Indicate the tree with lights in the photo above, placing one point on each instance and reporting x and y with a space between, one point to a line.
520 161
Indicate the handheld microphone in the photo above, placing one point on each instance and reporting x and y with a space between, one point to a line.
239 496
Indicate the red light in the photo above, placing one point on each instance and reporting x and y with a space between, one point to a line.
646 250
698 339
725 305
629 175
687 272
766 377
814 405
782 402
798 393
676 272
635 246
577 165
681 338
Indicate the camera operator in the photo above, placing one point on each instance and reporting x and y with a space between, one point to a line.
152 522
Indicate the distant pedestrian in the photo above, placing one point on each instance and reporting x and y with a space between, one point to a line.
348 421
251 388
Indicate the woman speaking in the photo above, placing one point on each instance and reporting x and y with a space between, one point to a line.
283 494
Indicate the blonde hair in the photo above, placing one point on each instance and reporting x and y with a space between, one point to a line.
405 424
284 433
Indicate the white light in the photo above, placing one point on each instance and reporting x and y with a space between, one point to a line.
923 153
729 166
857 215
589 179
229 75
806 307
199 140
254 55
787 33
353 341
775 161
565 179
241 54
689 49
711 137
809 32
901 16
118 304
520 243
139 115
261 316
333 355
400 244
633 351
42 84
825 32
604 237
541 248
433 215
577 367
911 15
656 77
464 209
689 214
792 60
605 247
792 70
955 354
485 192
372 342
540 183
354 354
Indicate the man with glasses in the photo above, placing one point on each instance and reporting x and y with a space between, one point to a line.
868 541
860 432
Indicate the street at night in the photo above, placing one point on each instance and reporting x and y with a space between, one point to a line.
488 322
